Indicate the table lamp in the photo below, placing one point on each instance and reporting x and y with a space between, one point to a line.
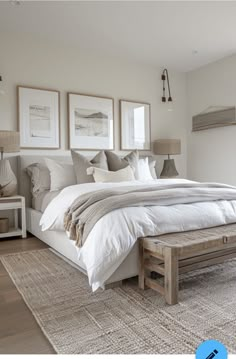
168 147
9 142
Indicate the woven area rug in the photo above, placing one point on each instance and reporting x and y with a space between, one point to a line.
126 319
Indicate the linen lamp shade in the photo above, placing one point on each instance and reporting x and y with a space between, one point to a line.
9 142
168 147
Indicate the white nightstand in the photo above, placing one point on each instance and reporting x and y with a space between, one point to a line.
15 203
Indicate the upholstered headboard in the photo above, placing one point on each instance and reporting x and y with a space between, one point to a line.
24 185
23 178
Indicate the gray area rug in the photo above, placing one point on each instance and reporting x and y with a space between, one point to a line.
126 319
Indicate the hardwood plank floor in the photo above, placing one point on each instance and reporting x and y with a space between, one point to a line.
19 331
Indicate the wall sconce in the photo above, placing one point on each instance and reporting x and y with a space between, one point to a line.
164 77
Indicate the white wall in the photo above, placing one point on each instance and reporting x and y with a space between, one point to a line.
212 153
31 62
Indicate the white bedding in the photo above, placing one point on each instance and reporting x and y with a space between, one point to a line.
114 235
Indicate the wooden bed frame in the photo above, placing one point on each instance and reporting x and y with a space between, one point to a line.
172 254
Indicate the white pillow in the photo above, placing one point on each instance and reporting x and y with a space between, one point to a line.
61 174
100 175
152 167
144 170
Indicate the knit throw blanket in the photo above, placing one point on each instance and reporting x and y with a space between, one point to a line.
88 208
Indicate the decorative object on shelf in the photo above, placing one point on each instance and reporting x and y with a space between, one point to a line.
135 125
168 147
15 2
4 225
9 143
91 122
38 117
214 116
165 77
2 92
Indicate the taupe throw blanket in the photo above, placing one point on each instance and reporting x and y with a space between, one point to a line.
88 208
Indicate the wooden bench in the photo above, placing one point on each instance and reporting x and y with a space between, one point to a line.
172 254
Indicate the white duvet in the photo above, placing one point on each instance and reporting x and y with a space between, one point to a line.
114 235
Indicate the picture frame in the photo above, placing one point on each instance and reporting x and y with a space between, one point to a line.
90 121
135 125
38 117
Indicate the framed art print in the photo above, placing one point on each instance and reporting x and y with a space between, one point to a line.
91 122
135 125
38 118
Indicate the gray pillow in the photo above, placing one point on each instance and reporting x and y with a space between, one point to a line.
116 163
40 178
81 163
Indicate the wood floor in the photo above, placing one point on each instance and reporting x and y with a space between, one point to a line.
19 332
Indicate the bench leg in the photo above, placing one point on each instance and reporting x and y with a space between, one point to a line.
141 266
171 276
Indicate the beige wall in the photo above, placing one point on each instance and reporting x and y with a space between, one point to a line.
212 153
31 62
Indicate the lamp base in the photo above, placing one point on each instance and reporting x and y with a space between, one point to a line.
8 181
169 170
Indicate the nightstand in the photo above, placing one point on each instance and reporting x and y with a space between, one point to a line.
14 203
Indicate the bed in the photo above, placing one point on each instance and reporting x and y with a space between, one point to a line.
110 253
57 240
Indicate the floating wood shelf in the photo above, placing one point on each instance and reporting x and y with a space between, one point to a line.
214 117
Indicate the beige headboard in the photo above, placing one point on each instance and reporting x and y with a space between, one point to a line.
24 185
24 180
